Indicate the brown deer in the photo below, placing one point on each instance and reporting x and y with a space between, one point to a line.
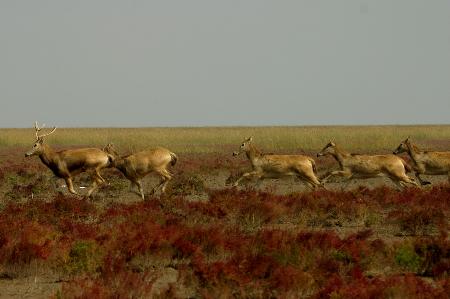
277 166
355 166
68 163
136 166
425 162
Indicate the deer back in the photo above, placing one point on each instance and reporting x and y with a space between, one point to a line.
146 161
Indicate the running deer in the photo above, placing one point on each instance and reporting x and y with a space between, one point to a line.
68 163
277 166
425 162
355 166
136 166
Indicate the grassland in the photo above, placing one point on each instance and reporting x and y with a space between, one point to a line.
206 240
212 139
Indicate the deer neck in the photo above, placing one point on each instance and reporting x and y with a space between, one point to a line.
119 162
340 155
414 152
48 156
253 153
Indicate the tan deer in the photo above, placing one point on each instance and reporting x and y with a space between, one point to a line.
425 162
355 166
277 166
136 166
68 163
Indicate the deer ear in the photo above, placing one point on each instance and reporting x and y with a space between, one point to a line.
250 138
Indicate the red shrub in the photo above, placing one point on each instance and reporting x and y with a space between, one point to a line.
285 278
23 241
435 254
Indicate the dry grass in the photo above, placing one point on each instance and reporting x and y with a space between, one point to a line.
219 139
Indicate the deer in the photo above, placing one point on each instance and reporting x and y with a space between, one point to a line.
136 166
356 166
425 162
66 164
277 166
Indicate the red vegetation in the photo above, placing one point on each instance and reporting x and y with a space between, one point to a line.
238 243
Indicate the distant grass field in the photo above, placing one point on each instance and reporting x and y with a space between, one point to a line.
369 139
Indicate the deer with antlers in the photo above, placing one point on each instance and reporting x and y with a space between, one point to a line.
277 166
68 163
136 166
355 166
425 162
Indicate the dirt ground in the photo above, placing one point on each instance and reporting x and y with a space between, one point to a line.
41 286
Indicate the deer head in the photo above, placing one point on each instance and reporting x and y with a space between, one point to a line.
403 147
245 146
38 147
110 149
329 149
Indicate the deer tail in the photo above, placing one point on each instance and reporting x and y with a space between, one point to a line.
406 165
111 160
313 164
173 158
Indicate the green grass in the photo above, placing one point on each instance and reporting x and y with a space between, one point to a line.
218 139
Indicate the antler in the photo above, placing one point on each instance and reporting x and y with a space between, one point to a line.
37 129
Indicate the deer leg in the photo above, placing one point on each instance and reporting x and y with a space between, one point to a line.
402 181
310 185
421 181
400 184
92 189
134 182
96 181
141 190
318 183
342 173
131 186
162 183
315 181
308 176
166 177
246 175
330 174
347 175
412 181
311 181
69 184
97 174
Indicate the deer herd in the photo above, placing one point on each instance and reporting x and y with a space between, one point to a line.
68 163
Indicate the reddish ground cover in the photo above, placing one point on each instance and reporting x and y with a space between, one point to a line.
199 241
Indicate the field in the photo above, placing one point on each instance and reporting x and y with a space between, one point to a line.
206 239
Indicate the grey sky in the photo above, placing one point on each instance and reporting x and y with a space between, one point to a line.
229 62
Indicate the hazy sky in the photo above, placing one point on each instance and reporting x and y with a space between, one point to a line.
228 62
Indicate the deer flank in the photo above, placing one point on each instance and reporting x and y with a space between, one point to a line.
277 166
425 162
136 166
354 166
68 163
